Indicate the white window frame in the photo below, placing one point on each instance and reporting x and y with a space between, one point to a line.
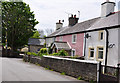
61 38
72 52
73 38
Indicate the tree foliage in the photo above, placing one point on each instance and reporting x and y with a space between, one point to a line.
36 35
18 23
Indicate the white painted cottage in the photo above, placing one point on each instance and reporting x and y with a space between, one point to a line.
102 39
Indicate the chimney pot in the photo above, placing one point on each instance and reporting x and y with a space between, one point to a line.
59 21
74 16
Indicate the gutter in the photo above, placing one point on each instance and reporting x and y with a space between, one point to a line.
106 55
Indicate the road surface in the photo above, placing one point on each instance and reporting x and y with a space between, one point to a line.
16 70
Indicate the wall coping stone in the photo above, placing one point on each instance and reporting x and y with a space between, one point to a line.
76 60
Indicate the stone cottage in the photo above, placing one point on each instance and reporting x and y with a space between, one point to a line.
34 44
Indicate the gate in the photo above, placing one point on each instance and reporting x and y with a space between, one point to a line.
112 74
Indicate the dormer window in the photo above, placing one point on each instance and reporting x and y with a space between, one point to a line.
74 38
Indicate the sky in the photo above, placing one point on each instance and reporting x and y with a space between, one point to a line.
48 12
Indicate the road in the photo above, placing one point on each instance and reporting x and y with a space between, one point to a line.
16 70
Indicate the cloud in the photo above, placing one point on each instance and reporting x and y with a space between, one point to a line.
48 12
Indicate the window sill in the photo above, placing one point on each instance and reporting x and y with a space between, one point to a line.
73 42
99 59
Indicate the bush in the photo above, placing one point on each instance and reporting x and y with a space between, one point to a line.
62 53
55 54
42 52
49 50
28 53
34 54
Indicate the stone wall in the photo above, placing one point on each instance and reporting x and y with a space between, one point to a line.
72 67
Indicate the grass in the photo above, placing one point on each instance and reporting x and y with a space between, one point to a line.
37 64
79 78
51 69
63 73
91 81
47 68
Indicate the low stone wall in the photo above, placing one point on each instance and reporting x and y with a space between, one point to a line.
72 67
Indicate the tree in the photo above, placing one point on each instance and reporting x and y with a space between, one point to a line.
36 35
49 31
18 24
42 33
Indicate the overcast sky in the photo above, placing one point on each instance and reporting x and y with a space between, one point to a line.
48 12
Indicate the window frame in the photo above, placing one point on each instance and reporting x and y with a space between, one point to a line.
90 53
73 38
72 52
61 38
100 35
98 53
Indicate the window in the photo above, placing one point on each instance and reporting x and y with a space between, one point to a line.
74 38
100 52
61 38
91 52
101 34
73 52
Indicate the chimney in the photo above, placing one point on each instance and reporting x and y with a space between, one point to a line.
59 25
107 7
119 6
73 20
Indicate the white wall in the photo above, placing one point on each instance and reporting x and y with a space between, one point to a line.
94 41
113 52
119 45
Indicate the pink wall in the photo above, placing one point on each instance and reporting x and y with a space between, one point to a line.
78 46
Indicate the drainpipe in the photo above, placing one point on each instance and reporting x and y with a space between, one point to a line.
106 55
85 45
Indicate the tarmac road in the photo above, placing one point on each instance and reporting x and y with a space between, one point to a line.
16 70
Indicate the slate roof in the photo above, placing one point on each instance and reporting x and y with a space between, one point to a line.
92 24
61 45
34 41
76 28
111 20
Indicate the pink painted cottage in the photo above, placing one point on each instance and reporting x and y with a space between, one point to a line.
70 36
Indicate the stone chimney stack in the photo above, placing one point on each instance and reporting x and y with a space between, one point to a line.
107 7
73 20
59 25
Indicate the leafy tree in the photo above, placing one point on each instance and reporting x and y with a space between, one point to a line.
36 35
18 24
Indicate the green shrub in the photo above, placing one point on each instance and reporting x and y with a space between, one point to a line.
28 53
79 78
62 53
42 52
34 54
63 73
55 54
